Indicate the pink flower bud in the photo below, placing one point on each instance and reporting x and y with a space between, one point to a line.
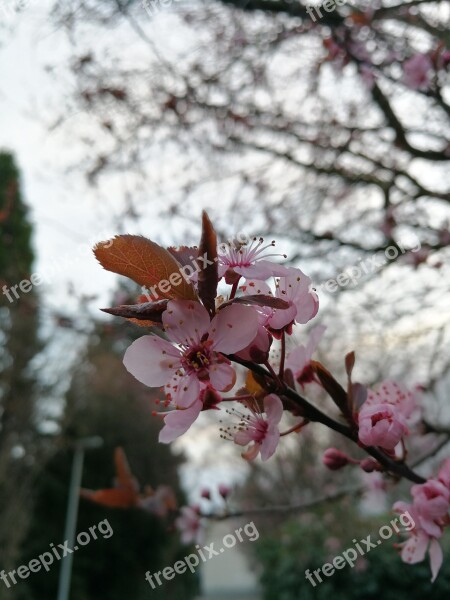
335 459
369 465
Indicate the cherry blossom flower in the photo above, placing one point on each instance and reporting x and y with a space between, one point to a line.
295 289
248 260
195 353
417 71
299 359
189 524
381 425
258 430
383 417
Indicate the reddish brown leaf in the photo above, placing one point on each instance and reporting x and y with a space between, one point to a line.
147 264
208 276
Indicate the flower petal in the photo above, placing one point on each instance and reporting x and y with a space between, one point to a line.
243 437
152 360
262 269
178 422
436 558
269 444
281 318
415 548
185 321
186 391
307 308
252 452
314 339
255 286
297 360
222 377
273 407
233 328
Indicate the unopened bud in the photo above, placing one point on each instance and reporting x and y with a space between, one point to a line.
369 465
335 459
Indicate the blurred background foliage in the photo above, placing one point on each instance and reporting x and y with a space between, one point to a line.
317 537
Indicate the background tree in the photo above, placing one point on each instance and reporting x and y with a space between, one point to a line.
22 445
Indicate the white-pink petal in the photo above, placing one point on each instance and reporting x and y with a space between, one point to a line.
185 321
152 360
314 340
233 328
187 391
436 558
297 360
256 286
273 407
222 376
415 548
282 317
269 444
178 422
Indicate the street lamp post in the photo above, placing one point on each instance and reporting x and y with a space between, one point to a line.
72 511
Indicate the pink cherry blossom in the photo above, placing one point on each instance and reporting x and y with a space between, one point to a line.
381 425
417 72
248 260
383 418
296 290
195 353
260 431
299 359
189 524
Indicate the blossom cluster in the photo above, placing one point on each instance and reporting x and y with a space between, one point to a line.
200 339
193 362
